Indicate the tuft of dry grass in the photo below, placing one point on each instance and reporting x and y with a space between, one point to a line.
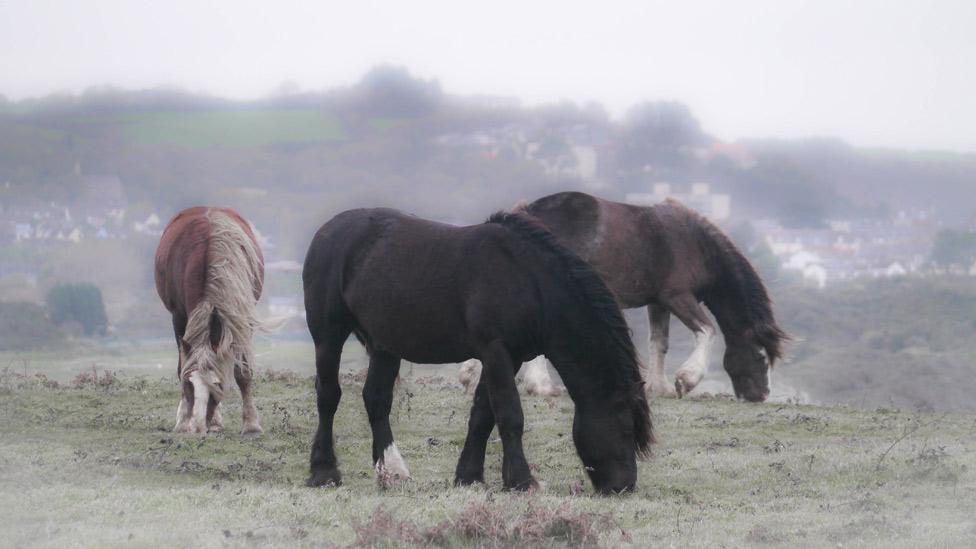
486 524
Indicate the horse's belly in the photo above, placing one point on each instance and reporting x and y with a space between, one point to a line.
432 348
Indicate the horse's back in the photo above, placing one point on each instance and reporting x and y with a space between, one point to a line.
398 274
617 239
181 257
181 260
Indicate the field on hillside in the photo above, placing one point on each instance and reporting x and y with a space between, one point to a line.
247 128
88 459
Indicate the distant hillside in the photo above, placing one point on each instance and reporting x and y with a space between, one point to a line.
905 342
395 140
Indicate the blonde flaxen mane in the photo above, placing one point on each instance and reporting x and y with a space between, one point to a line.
234 271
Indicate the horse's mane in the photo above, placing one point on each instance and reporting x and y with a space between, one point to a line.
746 286
604 312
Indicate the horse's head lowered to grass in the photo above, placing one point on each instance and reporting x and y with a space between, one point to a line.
590 346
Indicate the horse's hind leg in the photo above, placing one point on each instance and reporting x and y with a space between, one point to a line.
690 374
215 421
323 464
660 320
243 375
471 464
378 398
185 408
499 372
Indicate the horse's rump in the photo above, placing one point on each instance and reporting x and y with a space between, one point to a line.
210 272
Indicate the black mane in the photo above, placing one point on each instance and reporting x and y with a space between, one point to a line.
748 289
604 312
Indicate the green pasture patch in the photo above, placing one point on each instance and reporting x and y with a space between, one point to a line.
228 128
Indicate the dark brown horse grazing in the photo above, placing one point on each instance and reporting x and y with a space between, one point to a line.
669 258
209 273
503 292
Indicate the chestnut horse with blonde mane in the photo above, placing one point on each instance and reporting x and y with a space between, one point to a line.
209 274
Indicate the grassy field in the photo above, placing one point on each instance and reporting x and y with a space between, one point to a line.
231 128
93 462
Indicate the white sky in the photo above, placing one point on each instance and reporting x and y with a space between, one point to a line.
875 73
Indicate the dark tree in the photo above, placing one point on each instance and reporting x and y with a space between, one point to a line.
954 248
81 303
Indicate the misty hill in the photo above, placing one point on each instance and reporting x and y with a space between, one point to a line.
293 159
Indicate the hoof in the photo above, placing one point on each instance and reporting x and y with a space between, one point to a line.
528 485
190 427
684 383
665 390
252 430
324 478
469 480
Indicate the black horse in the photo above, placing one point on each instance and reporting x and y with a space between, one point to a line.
503 292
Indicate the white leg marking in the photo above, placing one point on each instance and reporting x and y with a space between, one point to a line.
537 379
657 381
201 396
659 321
182 416
391 466
470 374
693 370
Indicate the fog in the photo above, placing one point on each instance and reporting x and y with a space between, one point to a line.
832 142
767 117
873 73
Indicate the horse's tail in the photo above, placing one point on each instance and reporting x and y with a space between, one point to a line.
221 326
604 312
743 289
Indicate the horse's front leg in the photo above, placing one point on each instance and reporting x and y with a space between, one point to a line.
185 409
499 373
243 375
690 374
323 464
378 399
659 319
471 464
215 421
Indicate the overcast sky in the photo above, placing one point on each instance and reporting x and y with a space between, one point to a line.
875 73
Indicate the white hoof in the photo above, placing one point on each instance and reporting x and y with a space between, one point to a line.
391 467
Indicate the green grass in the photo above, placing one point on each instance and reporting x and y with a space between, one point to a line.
233 129
98 465
383 123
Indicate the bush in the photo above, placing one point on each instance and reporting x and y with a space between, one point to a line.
24 326
78 303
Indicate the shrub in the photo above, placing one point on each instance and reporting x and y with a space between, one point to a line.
81 303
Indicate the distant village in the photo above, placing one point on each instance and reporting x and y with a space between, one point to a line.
842 249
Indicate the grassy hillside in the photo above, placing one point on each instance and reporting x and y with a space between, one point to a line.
904 342
94 463
249 128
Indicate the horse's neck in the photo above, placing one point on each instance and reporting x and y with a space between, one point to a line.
585 372
727 311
